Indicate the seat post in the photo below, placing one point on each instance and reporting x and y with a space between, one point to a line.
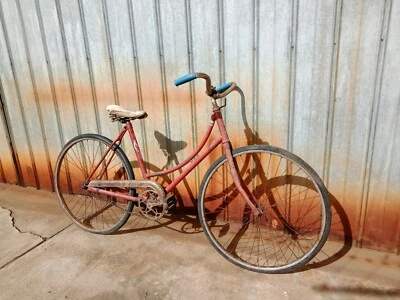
136 148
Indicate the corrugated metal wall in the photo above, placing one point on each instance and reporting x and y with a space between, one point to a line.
321 78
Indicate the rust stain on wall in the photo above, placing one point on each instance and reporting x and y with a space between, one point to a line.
88 71
380 232
344 226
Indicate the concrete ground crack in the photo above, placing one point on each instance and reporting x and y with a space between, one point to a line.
19 230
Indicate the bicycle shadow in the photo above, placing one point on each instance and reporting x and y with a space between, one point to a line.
253 137
340 238
185 219
169 148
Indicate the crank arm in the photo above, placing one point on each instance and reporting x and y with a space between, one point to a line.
151 205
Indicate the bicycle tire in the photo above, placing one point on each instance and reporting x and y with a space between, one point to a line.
92 212
289 233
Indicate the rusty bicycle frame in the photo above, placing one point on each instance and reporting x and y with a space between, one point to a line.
189 163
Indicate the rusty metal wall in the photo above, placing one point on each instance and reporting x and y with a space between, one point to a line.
320 78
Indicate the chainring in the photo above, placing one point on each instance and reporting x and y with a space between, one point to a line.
151 205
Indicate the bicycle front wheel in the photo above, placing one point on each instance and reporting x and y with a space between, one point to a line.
78 159
296 213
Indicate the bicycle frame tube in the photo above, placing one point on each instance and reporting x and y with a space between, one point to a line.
117 141
191 162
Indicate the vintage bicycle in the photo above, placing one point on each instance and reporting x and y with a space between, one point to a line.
261 207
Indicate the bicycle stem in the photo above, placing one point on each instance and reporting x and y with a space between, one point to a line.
209 87
211 90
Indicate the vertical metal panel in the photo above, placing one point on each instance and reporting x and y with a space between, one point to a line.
49 86
238 59
318 79
79 75
8 162
123 55
122 59
16 75
61 73
189 38
99 62
356 75
137 75
149 55
204 18
42 92
274 71
31 33
175 62
314 44
382 221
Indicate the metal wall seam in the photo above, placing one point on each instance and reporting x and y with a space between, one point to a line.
49 69
162 72
10 143
189 40
68 64
387 187
3 124
395 131
2 175
10 55
51 78
89 64
221 47
255 66
35 92
221 43
110 51
373 119
137 79
5 118
111 60
292 76
221 57
332 90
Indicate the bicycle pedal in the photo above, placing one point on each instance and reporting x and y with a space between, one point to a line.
171 203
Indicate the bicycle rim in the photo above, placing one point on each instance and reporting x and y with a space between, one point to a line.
296 211
90 211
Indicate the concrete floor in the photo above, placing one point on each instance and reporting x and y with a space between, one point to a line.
43 256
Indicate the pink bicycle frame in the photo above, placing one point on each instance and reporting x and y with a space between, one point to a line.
191 162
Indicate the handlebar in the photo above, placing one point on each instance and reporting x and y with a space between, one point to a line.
185 79
223 88
214 92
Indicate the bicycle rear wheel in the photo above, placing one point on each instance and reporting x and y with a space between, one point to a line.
90 211
296 214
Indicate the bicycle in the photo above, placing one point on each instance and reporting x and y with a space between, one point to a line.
261 207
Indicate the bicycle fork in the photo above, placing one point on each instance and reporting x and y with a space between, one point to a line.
251 201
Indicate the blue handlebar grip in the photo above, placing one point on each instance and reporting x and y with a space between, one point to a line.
223 88
185 79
